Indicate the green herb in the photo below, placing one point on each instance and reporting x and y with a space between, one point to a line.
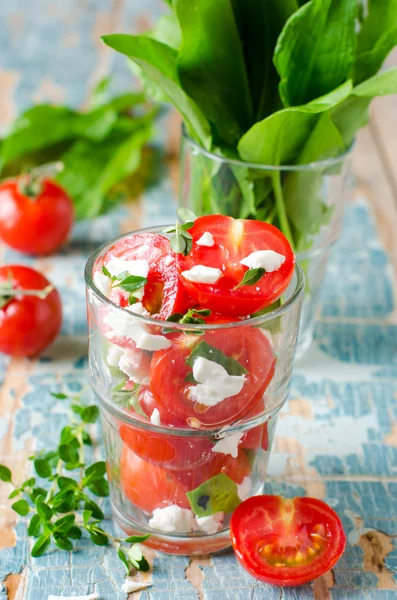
127 398
251 276
8 292
127 282
61 511
211 353
99 149
281 82
216 494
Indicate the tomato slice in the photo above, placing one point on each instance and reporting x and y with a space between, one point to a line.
286 542
164 292
169 374
148 486
234 240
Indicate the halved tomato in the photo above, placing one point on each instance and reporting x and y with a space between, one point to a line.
235 239
169 376
148 486
286 541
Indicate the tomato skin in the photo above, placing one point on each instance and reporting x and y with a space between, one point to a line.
38 225
235 239
276 527
169 370
28 324
148 486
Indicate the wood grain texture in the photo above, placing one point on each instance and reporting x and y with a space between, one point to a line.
336 437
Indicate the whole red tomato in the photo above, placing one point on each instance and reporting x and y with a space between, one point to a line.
34 220
30 311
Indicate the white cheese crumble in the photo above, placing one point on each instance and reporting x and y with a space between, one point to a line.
211 524
214 383
168 261
134 586
206 240
202 274
132 364
94 596
138 309
173 519
229 444
155 417
264 259
244 488
102 282
114 355
151 342
117 265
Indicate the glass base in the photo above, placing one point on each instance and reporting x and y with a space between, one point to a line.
183 545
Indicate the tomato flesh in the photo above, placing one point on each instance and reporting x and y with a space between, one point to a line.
35 225
169 372
235 239
28 324
286 542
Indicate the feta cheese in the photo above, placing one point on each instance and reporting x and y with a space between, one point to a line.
134 586
102 283
264 259
173 519
114 355
206 240
133 364
211 524
123 324
117 265
244 488
94 596
138 309
202 274
214 383
229 444
151 342
155 417
168 261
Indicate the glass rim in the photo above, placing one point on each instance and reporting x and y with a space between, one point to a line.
269 316
312 166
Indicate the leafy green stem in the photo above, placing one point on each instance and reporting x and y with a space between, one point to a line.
280 206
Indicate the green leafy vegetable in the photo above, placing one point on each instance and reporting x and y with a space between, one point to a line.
68 495
273 83
216 494
211 353
251 276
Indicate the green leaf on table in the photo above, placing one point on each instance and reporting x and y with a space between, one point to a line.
42 468
137 539
41 545
69 452
158 63
313 64
15 493
99 487
67 483
87 514
44 511
64 501
21 507
92 507
63 542
204 350
75 533
99 539
251 277
216 494
280 138
5 474
95 471
90 414
124 559
59 396
211 65
35 526
64 524
376 38
67 435
28 483
381 84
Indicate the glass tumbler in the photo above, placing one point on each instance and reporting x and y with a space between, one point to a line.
306 201
181 453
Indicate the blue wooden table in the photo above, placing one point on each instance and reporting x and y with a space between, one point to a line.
337 436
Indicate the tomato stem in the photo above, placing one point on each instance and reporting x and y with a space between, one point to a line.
7 293
31 184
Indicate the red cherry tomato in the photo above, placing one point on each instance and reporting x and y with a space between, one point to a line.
148 486
164 293
169 370
286 542
35 225
28 323
235 239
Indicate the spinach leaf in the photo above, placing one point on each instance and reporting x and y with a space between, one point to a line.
280 138
381 84
315 51
211 65
376 38
158 62
259 25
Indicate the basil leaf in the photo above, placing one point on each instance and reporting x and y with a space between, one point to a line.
137 539
132 283
216 494
211 353
186 215
251 277
158 62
